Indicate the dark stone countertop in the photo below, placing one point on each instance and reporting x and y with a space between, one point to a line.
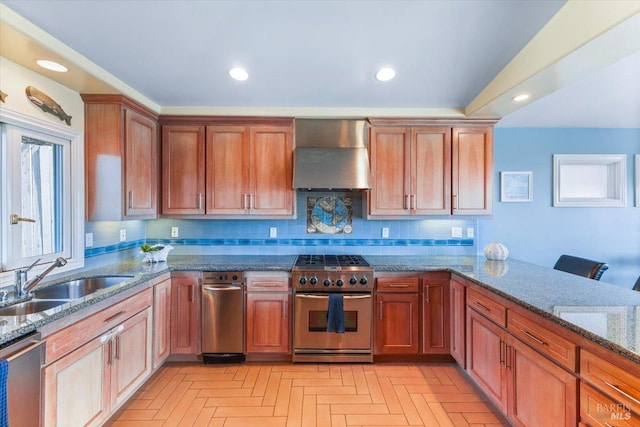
605 314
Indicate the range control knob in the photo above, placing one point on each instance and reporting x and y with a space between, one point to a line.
339 282
313 281
363 281
326 282
234 277
303 281
353 281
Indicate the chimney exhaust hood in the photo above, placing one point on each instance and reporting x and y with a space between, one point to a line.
331 154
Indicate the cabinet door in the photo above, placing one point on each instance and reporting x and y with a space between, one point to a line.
457 317
268 322
76 387
486 355
183 166
435 314
131 356
430 171
184 315
472 171
396 324
541 393
271 170
141 166
390 171
161 322
227 168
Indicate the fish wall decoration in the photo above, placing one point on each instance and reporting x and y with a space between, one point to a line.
47 104
2 96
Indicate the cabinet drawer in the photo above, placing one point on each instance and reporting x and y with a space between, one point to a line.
67 339
613 377
553 345
597 410
268 284
398 284
487 307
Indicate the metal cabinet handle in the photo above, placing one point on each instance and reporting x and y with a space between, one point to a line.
482 305
15 219
625 394
399 285
130 199
117 356
536 339
426 294
502 343
407 202
455 201
199 201
118 314
380 310
284 310
507 359
109 352
412 201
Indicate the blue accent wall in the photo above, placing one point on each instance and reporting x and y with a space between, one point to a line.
539 233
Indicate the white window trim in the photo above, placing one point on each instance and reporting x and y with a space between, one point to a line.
77 189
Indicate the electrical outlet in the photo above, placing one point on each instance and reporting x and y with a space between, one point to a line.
385 232
88 240
273 232
174 232
470 232
123 235
456 232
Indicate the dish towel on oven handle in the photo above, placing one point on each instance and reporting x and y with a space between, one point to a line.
4 374
335 314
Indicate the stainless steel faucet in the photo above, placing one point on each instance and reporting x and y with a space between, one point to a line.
24 286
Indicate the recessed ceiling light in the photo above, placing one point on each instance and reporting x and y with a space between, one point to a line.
53 66
238 74
385 74
520 98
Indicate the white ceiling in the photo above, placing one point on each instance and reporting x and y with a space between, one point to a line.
310 54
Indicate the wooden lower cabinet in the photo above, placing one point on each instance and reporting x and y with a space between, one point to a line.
85 386
435 313
598 410
457 324
268 318
486 349
161 322
526 386
396 323
185 313
541 393
268 322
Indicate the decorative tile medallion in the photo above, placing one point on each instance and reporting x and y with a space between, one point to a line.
329 215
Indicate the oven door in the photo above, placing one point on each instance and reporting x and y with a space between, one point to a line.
310 324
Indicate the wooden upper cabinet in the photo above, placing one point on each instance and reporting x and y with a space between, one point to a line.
472 172
390 156
183 169
271 170
228 170
121 159
431 171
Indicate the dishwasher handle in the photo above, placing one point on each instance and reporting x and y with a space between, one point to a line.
34 344
215 288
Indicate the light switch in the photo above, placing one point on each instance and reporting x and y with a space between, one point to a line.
273 232
123 235
88 240
385 232
456 232
174 231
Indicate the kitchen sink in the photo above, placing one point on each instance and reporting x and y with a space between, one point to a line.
78 288
29 307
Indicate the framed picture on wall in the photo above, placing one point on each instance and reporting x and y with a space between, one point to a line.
589 180
516 186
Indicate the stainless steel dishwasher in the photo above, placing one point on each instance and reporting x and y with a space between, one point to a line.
25 358
222 317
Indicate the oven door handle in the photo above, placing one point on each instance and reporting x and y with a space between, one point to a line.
221 288
327 296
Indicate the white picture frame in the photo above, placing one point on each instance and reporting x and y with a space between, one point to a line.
589 180
638 180
516 186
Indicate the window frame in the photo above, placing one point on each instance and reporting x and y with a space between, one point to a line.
73 223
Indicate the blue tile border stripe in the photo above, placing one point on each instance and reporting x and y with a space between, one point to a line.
90 252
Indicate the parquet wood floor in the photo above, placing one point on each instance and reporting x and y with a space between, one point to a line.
307 395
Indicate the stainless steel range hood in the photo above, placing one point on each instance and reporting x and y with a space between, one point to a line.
331 154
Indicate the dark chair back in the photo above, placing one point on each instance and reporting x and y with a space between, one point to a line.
581 266
636 287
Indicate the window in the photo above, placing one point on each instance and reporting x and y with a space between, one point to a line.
41 203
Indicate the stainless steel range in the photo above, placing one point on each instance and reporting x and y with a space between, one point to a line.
315 279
